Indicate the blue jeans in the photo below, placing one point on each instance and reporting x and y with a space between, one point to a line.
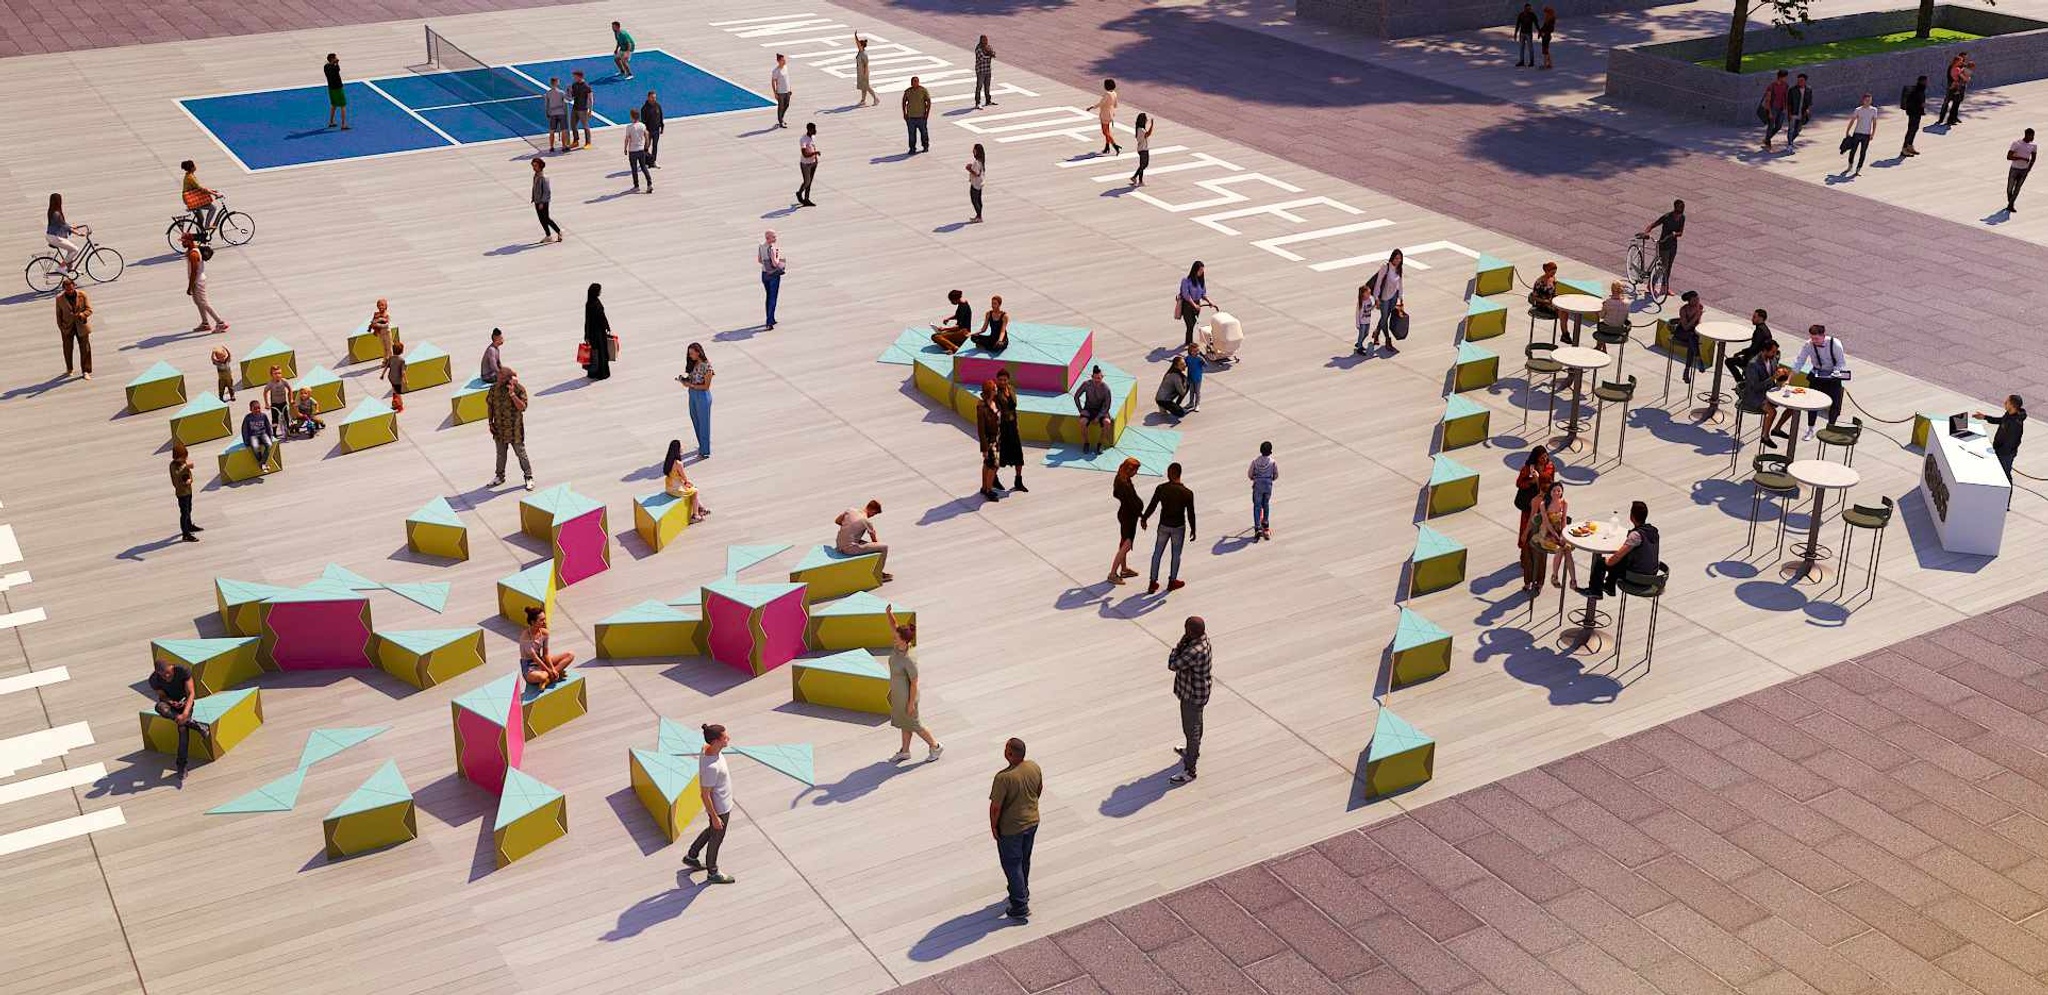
1364 329
1014 853
771 283
1262 504
1527 53
916 128
700 420
1176 535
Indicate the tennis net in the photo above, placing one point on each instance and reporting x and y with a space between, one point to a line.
482 92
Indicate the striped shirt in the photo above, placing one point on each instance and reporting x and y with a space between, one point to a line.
1189 662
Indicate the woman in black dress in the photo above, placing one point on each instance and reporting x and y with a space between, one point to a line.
597 333
1010 448
1128 508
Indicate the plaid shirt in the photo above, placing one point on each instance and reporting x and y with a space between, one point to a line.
1190 666
983 58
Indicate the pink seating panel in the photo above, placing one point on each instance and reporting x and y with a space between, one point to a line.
582 542
782 630
319 635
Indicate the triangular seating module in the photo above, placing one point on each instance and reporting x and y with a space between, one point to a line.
853 680
1399 757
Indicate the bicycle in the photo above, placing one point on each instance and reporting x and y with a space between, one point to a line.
233 227
98 263
1645 269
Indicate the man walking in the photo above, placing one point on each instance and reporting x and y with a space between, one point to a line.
636 151
917 112
650 115
984 73
1189 662
1525 36
337 95
622 51
1914 102
2019 160
579 110
1798 108
542 196
1013 821
1176 506
1857 136
506 403
74 326
778 81
556 104
1670 227
1776 94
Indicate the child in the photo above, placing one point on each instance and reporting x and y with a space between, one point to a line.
223 373
259 433
308 410
1262 473
1196 365
381 327
394 368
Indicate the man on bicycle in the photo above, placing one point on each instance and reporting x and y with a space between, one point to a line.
199 199
1671 225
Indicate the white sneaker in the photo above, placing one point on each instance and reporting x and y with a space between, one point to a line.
1809 433
935 753
901 755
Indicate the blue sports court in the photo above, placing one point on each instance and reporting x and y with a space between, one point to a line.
272 129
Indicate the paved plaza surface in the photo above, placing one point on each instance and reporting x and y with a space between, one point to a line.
1815 787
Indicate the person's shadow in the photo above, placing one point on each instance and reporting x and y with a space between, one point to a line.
655 909
960 931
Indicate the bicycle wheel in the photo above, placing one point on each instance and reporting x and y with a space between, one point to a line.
104 265
44 274
236 228
1658 288
175 234
1637 268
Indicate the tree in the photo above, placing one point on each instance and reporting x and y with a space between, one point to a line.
1925 27
1787 14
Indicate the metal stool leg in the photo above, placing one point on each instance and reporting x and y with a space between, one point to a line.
1620 627
1669 362
1621 447
1756 500
1650 649
1735 458
1599 416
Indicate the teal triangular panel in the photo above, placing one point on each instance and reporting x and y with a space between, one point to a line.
324 743
522 794
431 595
1392 734
793 759
738 558
277 796
384 787
348 578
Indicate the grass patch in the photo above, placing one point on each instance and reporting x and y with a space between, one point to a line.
1847 48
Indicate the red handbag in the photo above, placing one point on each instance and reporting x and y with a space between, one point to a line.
582 354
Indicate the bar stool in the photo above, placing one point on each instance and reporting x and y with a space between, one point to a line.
1770 477
1864 516
1742 407
1613 392
1640 585
1614 337
1837 435
1536 362
1555 318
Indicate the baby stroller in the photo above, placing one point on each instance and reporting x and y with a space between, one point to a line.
1220 338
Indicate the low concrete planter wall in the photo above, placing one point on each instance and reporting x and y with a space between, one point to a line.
1408 18
1664 75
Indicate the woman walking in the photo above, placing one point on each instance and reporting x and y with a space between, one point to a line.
807 163
1193 296
1106 109
977 168
1366 302
1262 473
1010 448
904 691
988 426
676 483
1129 508
540 668
543 194
860 72
1386 287
716 783
696 380
1144 133
773 265
597 334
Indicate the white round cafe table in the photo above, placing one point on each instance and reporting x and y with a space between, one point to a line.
1601 540
1725 333
1578 307
1798 399
1823 476
1579 360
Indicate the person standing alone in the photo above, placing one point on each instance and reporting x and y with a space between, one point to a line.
1857 136
1189 662
543 194
984 73
773 265
195 286
337 94
181 485
74 326
2005 442
2019 160
1263 473
506 405
917 113
807 156
778 83
977 171
1914 103
1525 36
1013 821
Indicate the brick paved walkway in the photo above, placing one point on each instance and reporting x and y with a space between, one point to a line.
1879 827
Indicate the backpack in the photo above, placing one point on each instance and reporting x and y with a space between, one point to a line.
205 252
1905 98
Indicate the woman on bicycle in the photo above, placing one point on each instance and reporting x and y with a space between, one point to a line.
58 232
199 200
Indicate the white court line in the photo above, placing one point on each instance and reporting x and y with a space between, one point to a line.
395 102
63 829
33 748
47 783
10 550
15 579
479 103
33 679
24 617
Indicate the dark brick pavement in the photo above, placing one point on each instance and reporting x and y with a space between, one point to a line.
1879 827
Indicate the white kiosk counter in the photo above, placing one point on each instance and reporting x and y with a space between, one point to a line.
1965 489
